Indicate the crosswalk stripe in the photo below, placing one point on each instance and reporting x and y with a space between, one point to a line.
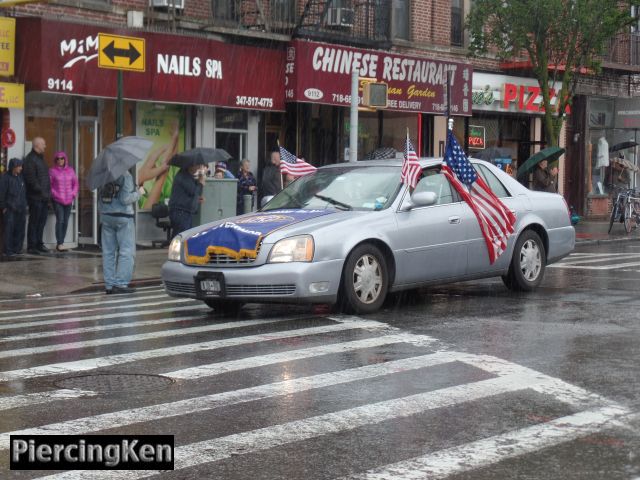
61 321
208 451
60 308
488 451
582 261
202 371
129 305
127 323
598 267
30 399
173 332
218 400
111 360
76 296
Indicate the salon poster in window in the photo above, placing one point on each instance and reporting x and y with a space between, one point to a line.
164 126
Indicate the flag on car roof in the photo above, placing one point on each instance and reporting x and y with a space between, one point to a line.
494 217
293 165
410 167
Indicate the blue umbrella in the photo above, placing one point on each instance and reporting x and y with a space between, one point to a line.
115 159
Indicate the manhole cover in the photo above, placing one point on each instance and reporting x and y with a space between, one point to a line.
115 382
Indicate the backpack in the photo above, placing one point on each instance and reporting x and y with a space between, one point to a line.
108 192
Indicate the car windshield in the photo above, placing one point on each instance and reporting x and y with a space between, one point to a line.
342 188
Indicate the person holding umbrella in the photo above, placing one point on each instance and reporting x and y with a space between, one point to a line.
186 193
544 180
117 195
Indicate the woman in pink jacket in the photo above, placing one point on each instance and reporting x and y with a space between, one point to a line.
64 189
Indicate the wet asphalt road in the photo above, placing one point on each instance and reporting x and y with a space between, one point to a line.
465 381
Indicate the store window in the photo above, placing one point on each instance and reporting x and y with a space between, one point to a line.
231 135
50 117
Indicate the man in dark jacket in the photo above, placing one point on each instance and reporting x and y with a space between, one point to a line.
271 177
13 203
36 177
186 193
544 180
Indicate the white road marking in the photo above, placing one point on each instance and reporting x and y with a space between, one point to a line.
77 296
29 399
208 451
111 360
612 266
488 451
58 308
106 316
218 400
598 259
129 305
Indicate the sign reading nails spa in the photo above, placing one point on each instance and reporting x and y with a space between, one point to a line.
63 58
321 73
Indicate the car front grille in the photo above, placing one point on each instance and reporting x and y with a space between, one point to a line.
260 290
221 259
184 288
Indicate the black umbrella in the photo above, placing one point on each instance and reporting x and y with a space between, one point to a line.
115 159
622 146
381 153
199 156
492 153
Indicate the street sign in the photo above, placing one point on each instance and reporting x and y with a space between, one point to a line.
121 53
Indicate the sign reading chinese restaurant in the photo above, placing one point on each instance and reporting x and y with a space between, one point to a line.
63 58
503 93
321 73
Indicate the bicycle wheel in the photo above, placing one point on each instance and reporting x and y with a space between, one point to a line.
628 217
615 214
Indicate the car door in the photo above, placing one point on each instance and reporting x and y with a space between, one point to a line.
478 261
430 242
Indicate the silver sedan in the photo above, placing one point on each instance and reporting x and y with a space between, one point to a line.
350 233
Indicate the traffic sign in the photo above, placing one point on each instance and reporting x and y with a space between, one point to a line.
121 53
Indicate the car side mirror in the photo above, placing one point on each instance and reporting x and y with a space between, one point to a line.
420 199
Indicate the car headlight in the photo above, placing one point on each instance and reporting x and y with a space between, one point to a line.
294 249
175 248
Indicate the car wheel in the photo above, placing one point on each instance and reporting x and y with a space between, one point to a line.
365 280
528 263
227 307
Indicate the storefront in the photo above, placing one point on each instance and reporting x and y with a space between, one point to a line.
191 92
318 96
507 123
611 160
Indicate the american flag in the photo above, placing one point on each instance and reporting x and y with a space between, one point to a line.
494 217
410 167
292 165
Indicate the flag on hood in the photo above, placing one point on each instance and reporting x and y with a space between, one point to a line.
294 166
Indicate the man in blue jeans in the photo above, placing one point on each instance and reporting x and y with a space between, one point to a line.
115 204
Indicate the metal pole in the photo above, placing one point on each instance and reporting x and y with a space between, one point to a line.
119 108
353 132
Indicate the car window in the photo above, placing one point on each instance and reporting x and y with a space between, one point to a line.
434 181
490 179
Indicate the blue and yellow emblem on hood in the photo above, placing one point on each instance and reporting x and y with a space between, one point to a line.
241 237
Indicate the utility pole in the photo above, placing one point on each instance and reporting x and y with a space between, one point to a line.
353 132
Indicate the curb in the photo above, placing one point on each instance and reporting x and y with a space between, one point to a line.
600 241
99 287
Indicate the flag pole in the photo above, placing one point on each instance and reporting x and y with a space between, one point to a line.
279 170
448 99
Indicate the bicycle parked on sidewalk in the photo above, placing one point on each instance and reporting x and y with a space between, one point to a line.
626 209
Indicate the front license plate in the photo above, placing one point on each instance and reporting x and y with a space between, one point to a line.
210 286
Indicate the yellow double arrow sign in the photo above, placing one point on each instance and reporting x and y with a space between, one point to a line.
121 53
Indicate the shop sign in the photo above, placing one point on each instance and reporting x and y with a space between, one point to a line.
321 73
503 93
8 138
627 113
477 136
63 58
11 95
7 46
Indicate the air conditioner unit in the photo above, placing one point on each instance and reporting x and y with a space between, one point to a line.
340 17
177 4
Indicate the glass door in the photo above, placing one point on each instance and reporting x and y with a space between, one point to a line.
87 149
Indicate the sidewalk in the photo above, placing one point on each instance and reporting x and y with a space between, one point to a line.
80 270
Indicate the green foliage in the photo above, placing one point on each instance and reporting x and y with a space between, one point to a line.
570 34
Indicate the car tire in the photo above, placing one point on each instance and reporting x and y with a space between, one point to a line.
227 307
527 264
365 280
